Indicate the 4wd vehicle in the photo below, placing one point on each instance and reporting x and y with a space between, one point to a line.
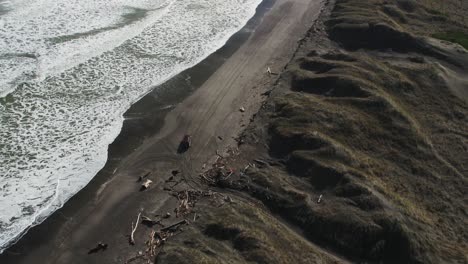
185 144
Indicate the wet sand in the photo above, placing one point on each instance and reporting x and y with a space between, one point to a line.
204 102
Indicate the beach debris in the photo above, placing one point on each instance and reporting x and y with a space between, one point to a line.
175 172
134 228
319 199
261 162
270 72
240 140
228 199
176 225
183 207
138 256
100 246
267 93
144 176
218 171
242 109
150 222
220 137
187 200
145 185
171 179
233 151
156 240
152 244
177 183
167 215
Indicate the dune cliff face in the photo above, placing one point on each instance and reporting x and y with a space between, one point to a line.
360 152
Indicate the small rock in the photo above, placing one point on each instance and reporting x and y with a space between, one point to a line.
267 93
228 199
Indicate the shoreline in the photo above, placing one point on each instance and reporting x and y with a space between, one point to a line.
143 132
146 116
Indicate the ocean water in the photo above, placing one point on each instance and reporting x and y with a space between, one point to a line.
69 69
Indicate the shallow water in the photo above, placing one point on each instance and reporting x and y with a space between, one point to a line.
68 72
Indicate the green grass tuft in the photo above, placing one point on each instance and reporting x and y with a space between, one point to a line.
455 37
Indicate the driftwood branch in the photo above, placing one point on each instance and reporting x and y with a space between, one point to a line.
134 258
144 176
174 225
150 222
134 228
152 244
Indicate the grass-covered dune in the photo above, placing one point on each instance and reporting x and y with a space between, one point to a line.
370 118
396 24
385 142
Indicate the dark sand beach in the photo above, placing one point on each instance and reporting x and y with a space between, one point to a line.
352 150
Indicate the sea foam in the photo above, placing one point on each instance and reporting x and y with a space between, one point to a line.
69 69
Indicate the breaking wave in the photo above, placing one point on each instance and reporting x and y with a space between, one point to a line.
69 69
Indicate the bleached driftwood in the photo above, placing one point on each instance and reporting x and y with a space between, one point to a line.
134 228
146 184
